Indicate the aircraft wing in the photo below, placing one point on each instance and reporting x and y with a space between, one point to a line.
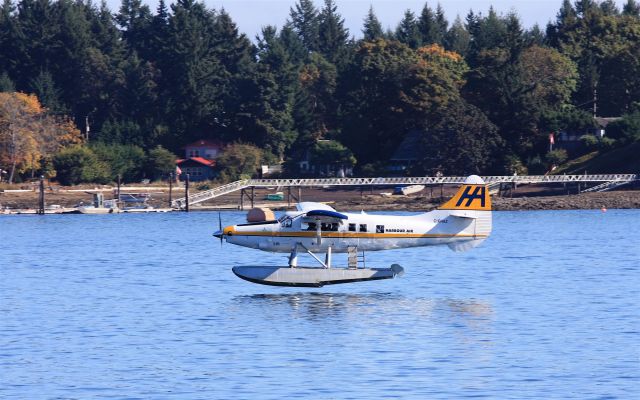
325 215
306 206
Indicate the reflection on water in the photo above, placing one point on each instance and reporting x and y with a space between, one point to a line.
328 305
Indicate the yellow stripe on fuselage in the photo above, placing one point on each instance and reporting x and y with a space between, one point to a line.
352 235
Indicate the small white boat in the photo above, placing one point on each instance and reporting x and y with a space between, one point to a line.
407 190
100 206
98 210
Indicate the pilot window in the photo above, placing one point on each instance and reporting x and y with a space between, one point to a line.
329 226
379 228
363 227
286 223
352 227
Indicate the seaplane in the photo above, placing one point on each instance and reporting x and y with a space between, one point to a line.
461 223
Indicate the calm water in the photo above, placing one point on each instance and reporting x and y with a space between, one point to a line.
126 306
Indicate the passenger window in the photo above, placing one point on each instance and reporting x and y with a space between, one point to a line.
363 227
352 227
379 228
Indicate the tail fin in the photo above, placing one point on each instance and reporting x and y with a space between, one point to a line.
473 195
471 202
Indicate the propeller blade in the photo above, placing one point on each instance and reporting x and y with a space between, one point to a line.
220 227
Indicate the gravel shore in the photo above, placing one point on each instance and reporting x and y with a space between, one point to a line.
526 198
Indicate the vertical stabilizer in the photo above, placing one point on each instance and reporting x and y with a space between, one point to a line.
471 201
473 195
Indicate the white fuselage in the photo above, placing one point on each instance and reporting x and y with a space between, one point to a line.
365 231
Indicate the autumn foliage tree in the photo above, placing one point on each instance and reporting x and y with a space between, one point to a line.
29 135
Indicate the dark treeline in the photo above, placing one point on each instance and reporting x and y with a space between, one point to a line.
483 91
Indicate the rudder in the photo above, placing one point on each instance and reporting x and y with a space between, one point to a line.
472 195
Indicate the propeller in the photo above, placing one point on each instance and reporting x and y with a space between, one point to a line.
220 232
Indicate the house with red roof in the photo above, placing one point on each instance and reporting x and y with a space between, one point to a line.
200 160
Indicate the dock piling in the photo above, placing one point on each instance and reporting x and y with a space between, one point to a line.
41 196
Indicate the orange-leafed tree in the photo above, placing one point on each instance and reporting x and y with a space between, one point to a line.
29 135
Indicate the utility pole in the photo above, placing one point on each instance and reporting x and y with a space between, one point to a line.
86 127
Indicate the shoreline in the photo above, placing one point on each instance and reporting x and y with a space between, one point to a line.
524 197
584 201
356 200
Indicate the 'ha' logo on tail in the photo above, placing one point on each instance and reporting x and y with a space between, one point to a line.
473 195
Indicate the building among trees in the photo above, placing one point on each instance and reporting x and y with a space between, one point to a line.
200 160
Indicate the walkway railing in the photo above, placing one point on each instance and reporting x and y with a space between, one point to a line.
608 181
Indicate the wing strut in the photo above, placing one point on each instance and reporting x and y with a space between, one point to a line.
294 256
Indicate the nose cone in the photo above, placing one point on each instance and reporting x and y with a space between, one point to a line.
227 231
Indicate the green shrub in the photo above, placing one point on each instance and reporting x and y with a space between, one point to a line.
127 161
626 130
79 164
607 143
556 157
590 142
535 166
239 161
160 163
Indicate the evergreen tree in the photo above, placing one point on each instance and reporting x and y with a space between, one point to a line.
408 32
106 36
134 19
609 7
332 38
457 38
566 20
193 77
274 85
584 7
534 37
441 23
292 44
47 92
486 33
305 22
159 31
632 8
429 31
514 35
372 28
6 84
9 37
236 55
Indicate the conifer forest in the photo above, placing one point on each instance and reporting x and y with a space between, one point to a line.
88 93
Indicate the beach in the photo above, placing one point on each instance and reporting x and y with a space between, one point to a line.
525 197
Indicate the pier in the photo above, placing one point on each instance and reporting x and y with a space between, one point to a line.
294 186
